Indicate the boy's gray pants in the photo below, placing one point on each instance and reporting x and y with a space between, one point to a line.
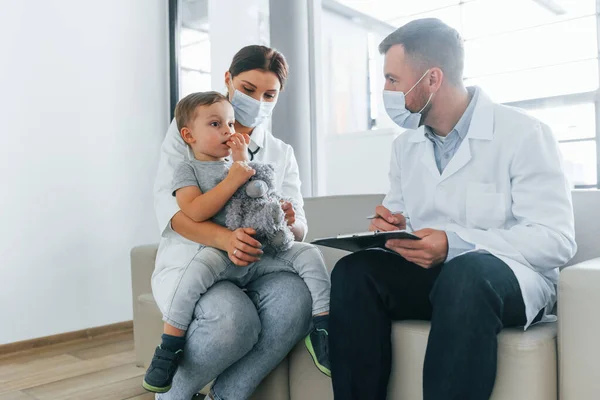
209 266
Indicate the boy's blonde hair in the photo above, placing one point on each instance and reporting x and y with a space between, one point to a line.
186 108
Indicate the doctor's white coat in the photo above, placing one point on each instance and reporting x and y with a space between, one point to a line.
504 191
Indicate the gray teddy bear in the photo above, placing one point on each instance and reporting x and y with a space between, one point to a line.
257 205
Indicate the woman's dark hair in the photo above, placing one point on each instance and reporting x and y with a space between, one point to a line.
262 58
186 108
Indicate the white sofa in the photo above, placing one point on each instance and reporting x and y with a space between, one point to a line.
547 362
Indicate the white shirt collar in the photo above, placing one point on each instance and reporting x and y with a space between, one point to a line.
257 139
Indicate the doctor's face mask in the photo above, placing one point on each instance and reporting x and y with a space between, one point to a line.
395 105
253 95
254 79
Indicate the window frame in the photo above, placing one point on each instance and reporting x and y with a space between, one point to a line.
174 42
175 66
568 100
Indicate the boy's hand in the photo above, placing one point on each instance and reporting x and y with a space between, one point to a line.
239 173
238 143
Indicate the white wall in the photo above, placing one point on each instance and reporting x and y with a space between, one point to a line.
351 158
357 163
344 59
83 109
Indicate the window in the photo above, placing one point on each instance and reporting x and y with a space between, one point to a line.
388 10
575 128
489 17
190 48
353 78
450 15
194 72
548 45
538 83
520 53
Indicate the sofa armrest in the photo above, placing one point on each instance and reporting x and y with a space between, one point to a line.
579 330
142 267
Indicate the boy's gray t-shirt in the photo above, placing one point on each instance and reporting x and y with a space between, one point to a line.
203 174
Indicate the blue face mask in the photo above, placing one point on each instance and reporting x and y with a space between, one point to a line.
250 112
395 106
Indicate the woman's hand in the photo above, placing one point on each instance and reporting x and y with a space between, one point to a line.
290 213
238 143
242 248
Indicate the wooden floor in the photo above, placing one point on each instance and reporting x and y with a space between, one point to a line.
101 368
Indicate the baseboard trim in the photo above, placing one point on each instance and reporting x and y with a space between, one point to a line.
112 329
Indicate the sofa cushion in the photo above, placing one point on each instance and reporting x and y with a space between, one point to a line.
526 362
526 365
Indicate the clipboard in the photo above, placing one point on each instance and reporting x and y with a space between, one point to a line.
363 240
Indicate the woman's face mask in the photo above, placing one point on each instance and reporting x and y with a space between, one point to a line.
249 111
395 106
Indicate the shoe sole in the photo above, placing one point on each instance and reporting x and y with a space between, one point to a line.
155 389
311 351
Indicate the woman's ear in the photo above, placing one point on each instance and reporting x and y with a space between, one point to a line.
229 85
186 135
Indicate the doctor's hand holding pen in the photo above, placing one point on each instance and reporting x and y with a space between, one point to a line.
385 220
428 252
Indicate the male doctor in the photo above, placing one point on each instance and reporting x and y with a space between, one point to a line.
482 185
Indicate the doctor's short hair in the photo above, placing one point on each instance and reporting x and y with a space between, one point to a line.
186 108
429 42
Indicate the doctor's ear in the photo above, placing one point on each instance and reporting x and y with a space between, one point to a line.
186 135
434 79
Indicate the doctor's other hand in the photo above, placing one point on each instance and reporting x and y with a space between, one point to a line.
242 248
428 252
386 221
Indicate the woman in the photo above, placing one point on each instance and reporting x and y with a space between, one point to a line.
238 336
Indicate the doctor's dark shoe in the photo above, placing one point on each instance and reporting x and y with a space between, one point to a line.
161 371
317 344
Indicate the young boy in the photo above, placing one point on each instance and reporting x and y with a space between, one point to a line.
206 124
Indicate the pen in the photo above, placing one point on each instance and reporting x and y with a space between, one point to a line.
397 212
